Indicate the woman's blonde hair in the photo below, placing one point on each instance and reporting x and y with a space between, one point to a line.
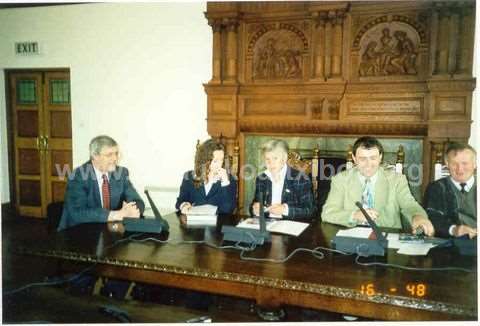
203 158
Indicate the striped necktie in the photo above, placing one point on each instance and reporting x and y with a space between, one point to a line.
367 197
105 192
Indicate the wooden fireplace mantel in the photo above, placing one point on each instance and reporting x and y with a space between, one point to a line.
386 69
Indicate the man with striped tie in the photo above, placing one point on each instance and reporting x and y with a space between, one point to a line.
100 191
384 194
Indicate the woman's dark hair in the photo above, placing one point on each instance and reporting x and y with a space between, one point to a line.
203 158
367 142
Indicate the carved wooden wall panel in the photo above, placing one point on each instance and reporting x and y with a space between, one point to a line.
400 68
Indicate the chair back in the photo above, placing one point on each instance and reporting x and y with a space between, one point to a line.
399 162
54 214
440 168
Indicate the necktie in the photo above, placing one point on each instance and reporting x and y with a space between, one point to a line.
105 192
463 184
367 197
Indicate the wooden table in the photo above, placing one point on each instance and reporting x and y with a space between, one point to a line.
334 283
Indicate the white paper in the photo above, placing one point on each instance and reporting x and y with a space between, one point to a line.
201 219
415 249
253 223
288 227
357 232
202 210
393 241
279 226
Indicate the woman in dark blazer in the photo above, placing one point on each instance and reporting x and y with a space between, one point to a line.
209 183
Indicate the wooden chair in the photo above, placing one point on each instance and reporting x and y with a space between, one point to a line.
399 163
439 167
310 167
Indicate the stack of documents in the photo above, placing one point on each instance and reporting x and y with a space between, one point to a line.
408 247
275 225
202 215
404 247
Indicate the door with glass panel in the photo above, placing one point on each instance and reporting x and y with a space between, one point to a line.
41 129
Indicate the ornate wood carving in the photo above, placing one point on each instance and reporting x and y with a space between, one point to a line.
342 68
333 127
276 51
295 160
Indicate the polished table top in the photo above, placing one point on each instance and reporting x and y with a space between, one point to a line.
188 258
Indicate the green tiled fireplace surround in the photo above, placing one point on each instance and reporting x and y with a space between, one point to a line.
331 146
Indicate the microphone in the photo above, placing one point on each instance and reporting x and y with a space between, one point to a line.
156 213
147 225
155 210
261 213
370 221
247 235
360 246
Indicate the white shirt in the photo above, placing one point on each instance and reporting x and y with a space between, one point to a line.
468 186
99 176
277 187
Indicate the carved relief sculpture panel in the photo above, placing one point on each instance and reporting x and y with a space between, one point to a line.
392 46
276 51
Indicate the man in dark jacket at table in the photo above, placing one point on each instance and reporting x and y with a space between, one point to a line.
451 202
100 191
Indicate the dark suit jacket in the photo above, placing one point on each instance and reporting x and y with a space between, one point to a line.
223 197
82 196
297 193
442 206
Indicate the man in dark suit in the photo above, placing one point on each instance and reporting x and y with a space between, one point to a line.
451 202
286 192
100 191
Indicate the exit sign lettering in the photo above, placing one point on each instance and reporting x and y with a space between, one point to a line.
26 48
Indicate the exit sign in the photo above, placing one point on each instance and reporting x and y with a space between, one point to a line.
27 48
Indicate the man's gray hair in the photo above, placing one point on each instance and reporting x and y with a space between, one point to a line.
99 142
455 147
275 144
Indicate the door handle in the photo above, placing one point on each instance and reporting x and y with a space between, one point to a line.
37 140
45 143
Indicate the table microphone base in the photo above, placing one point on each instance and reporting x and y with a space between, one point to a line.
245 235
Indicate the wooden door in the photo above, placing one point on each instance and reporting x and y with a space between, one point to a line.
42 138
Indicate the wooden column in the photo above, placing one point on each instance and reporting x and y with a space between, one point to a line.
442 42
320 46
453 42
217 51
231 50
337 44
329 43
433 40
466 41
